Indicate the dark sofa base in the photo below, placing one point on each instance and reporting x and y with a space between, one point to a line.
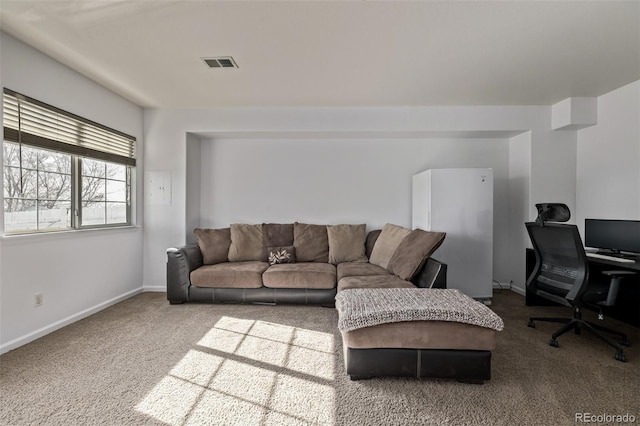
261 295
463 365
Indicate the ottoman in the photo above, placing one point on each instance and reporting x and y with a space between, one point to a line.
415 332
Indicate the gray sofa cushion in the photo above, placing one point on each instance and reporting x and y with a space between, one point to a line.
357 269
311 242
230 275
373 281
311 275
214 244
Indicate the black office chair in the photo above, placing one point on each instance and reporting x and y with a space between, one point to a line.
561 275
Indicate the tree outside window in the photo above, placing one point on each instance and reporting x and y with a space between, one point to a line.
37 189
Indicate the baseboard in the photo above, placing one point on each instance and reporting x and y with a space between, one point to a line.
20 341
520 290
509 286
154 289
501 286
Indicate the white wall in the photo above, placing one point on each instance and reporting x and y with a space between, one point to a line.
553 170
337 180
519 205
372 133
608 159
77 272
329 180
193 187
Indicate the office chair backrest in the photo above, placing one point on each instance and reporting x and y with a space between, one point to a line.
555 212
562 269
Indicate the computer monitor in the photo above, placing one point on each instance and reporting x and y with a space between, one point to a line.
612 236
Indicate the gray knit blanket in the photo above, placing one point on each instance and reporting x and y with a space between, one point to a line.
360 308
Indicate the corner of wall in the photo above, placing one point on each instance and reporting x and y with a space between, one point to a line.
193 185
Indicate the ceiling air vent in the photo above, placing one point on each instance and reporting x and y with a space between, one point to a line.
220 62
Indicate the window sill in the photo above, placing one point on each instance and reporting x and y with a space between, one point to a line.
67 234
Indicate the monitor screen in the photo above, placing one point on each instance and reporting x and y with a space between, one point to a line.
612 235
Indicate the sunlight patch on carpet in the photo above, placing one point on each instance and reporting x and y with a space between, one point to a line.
248 372
197 367
171 400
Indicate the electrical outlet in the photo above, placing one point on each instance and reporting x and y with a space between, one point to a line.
37 299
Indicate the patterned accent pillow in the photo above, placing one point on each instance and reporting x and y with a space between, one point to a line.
286 254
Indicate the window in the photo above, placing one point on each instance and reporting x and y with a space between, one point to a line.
62 171
37 189
105 193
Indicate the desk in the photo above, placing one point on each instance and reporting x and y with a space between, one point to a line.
627 306
612 264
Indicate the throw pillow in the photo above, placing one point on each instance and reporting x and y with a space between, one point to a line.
387 243
346 243
277 234
285 254
311 242
246 243
413 252
214 244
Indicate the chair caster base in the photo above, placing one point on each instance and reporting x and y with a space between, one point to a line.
553 342
531 324
620 357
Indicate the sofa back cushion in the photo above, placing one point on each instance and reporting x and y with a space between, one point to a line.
346 243
214 244
413 252
387 243
370 242
277 234
246 243
311 242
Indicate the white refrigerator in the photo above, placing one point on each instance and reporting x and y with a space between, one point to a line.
460 203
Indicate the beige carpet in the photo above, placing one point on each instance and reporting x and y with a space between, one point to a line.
146 362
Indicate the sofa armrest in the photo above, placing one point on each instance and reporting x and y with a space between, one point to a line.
432 275
180 262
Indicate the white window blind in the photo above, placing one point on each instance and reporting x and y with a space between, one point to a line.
31 122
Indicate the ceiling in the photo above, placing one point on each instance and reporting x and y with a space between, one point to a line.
338 53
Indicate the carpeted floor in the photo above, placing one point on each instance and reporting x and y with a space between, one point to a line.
144 362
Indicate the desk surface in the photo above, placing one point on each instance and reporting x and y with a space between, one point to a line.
618 265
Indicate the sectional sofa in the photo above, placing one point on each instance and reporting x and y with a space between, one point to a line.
319 264
298 263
